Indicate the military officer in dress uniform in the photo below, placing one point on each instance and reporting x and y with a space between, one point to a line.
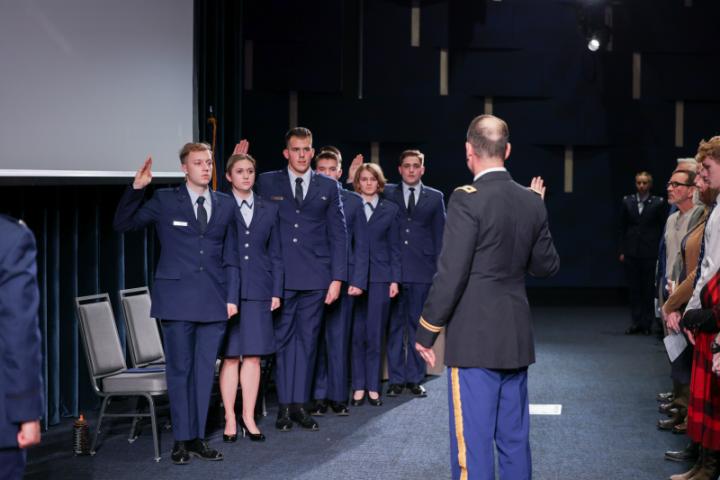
496 233
642 220
314 249
189 294
21 388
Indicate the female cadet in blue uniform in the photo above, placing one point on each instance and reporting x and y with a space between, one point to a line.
249 335
373 308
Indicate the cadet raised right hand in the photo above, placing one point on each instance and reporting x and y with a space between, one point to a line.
143 177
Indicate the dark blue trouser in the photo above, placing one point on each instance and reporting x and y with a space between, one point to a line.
404 363
297 329
371 314
489 408
191 349
12 463
331 373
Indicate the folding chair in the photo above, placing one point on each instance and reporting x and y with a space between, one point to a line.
109 374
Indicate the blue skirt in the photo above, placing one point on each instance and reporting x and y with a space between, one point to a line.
250 333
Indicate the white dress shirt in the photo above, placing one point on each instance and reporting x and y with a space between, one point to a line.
406 192
247 207
489 170
711 259
367 208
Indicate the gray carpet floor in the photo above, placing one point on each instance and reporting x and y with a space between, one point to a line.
605 381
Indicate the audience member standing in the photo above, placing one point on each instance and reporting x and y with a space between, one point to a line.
681 193
641 223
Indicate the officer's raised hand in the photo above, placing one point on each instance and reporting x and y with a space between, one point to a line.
143 177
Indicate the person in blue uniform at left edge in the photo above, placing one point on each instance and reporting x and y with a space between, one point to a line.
314 250
21 397
189 294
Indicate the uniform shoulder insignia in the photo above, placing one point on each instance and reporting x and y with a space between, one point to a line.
467 189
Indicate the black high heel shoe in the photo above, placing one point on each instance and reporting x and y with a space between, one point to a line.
254 437
230 438
357 403
375 402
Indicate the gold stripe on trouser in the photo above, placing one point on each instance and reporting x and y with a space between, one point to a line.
459 433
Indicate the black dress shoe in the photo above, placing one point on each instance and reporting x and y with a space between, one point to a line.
339 409
375 402
283 422
357 403
688 454
417 390
301 417
319 409
680 428
668 424
180 455
668 408
201 449
664 397
394 389
229 438
254 437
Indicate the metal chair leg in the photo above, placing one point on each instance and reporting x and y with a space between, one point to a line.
134 430
153 422
105 402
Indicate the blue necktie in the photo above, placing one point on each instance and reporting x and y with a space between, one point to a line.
202 214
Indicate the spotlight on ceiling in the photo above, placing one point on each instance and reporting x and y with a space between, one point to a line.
593 44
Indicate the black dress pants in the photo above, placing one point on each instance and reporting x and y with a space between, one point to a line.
640 274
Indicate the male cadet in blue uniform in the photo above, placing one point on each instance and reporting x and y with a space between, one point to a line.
189 293
314 249
496 233
422 210
642 220
21 397
331 375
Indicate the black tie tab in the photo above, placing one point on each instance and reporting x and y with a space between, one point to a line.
298 191
411 201
202 217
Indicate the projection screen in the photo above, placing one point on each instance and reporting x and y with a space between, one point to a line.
91 87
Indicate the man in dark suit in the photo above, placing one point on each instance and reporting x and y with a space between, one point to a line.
330 386
642 219
314 249
21 388
422 219
496 233
189 294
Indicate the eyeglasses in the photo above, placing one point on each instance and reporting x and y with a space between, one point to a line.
678 184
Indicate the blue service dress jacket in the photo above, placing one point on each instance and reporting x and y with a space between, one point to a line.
358 252
421 232
256 251
383 243
190 278
21 387
313 235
